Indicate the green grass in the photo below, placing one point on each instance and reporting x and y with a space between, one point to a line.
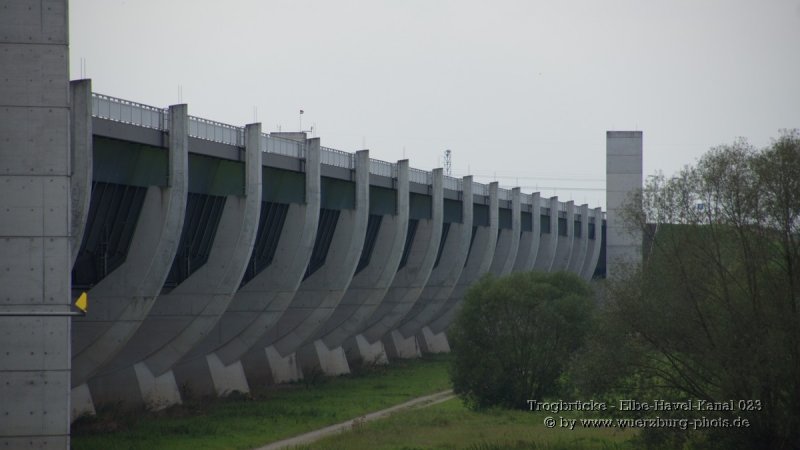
247 421
449 425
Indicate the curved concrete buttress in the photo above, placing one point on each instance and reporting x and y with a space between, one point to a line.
548 241
564 247
120 302
401 342
318 295
580 243
407 285
529 240
432 337
592 256
366 290
214 365
140 373
81 156
505 253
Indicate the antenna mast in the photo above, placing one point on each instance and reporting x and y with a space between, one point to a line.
448 163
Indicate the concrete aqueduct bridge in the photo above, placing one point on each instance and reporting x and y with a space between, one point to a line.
218 257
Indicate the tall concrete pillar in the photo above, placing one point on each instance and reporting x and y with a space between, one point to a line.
366 291
401 342
141 372
529 240
505 254
431 337
623 181
121 301
549 240
214 365
580 243
81 158
35 230
407 285
318 295
595 243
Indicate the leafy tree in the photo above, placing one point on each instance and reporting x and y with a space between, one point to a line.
514 336
712 313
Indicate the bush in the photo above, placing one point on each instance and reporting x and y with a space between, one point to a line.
514 336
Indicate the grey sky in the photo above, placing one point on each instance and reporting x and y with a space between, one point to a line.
523 89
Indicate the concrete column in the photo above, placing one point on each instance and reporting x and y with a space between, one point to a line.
407 285
592 256
366 291
623 181
319 294
432 337
213 366
81 159
564 247
580 244
548 241
182 317
401 342
35 231
505 255
529 240
121 301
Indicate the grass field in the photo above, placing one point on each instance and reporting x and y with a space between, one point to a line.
244 422
450 425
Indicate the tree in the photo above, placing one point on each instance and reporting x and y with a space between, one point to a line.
712 314
514 336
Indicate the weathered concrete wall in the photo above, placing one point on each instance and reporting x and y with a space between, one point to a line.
593 253
623 179
35 230
529 240
505 254
548 241
580 243
564 246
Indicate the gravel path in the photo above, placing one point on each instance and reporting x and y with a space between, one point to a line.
312 436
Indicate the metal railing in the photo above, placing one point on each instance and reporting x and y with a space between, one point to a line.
382 168
125 111
286 147
451 183
419 176
210 130
337 158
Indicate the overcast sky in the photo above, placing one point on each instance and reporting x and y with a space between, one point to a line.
523 91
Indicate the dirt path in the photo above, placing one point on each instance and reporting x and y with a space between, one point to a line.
312 436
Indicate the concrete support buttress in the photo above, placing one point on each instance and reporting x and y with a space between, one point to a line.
564 247
401 342
505 255
35 231
580 243
593 254
81 158
122 300
366 291
548 241
407 285
529 240
319 294
182 317
432 337
214 366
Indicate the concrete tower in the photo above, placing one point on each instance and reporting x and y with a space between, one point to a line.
623 179
35 224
